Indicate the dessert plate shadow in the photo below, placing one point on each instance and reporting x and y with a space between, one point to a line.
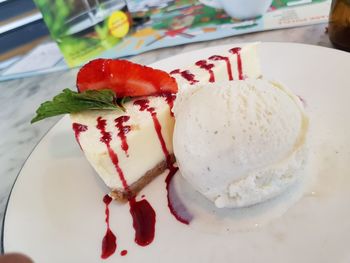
56 214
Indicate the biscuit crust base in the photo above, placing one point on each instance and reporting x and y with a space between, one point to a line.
123 196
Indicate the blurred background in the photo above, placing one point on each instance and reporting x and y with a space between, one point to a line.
67 33
21 27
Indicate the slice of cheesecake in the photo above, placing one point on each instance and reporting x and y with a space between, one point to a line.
128 149
134 141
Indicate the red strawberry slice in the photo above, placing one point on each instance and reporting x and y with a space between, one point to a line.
124 78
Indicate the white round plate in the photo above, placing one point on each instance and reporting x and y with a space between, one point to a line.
55 213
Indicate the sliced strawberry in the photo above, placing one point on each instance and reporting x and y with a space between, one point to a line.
124 78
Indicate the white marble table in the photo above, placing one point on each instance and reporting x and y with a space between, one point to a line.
20 98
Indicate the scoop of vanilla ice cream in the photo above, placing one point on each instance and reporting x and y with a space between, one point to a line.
240 142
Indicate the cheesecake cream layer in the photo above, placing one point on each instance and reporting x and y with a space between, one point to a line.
144 151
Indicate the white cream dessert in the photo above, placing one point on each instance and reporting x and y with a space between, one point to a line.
146 155
241 142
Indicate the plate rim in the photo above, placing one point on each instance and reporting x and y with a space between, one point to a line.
304 45
2 247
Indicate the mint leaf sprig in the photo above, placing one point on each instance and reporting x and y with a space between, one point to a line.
69 101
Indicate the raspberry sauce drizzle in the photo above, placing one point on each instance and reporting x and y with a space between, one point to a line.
170 98
109 242
144 221
208 67
182 216
143 215
186 74
123 130
123 253
106 139
237 51
144 105
228 64
78 128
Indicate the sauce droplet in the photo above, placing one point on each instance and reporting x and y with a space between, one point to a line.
144 220
208 67
123 252
78 128
186 74
237 51
123 130
109 242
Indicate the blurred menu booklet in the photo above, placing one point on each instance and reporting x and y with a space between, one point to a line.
83 29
